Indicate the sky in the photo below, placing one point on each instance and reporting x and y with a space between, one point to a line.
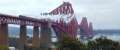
104 14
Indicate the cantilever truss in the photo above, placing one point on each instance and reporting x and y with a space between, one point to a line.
69 28
65 8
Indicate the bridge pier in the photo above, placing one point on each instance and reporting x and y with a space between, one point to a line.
3 36
45 36
35 40
22 39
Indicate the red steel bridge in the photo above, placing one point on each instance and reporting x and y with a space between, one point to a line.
44 41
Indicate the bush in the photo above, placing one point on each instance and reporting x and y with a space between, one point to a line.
70 44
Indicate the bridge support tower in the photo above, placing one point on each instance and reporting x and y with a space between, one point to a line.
36 39
45 37
22 39
4 36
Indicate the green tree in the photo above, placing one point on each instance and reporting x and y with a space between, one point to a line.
103 44
71 44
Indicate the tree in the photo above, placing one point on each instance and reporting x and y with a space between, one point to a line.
103 44
70 44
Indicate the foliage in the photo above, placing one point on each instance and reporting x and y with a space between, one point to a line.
103 44
71 44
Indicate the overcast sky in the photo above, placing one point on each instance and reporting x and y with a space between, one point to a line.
104 14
